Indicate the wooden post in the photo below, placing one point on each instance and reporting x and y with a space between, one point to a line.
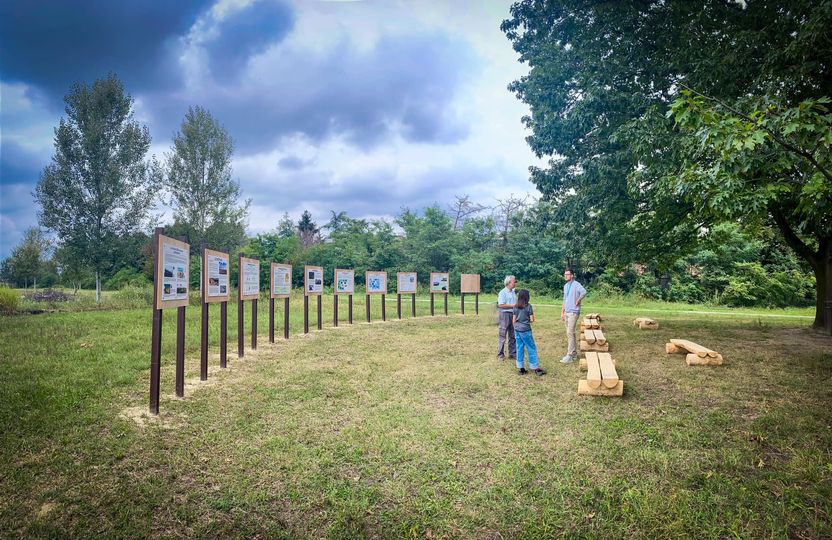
350 308
223 334
477 303
254 324
335 310
285 318
399 305
462 302
320 325
431 304
368 308
155 330
271 319
180 351
383 308
446 304
305 314
240 315
413 305
203 357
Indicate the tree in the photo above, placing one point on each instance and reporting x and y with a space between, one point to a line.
505 211
337 222
98 188
308 231
286 227
602 80
28 261
463 208
204 197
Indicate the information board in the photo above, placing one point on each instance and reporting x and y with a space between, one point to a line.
406 282
281 280
344 281
215 276
469 283
439 282
313 280
249 279
173 272
376 282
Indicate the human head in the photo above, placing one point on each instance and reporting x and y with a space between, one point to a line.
567 274
510 282
522 298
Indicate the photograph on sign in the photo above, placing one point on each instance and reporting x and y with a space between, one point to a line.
376 282
175 272
249 279
313 278
344 281
281 279
439 282
469 283
407 282
216 276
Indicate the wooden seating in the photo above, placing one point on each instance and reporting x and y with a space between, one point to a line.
591 322
697 355
645 323
594 340
601 377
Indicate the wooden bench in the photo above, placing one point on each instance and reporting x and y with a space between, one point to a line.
594 340
697 355
591 322
645 323
601 377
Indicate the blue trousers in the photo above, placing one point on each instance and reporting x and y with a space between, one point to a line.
525 340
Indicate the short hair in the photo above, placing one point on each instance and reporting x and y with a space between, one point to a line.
568 269
508 278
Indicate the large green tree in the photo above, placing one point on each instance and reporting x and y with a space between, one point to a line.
27 262
99 188
602 81
205 198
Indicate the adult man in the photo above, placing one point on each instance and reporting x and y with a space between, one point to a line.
573 293
506 301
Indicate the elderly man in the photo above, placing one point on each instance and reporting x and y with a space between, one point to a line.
505 306
573 293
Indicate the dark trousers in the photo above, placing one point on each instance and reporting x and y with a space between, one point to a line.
507 331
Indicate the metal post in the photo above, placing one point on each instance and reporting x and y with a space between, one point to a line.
477 303
462 302
413 305
155 354
305 314
398 305
350 309
203 357
383 308
368 308
431 304
180 351
271 319
285 318
254 324
223 334
320 325
335 310
446 304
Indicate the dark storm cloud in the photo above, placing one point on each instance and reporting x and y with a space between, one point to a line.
19 166
52 44
245 33
403 84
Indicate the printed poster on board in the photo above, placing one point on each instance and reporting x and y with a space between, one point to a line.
439 283
344 282
407 282
175 269
376 282
314 280
281 280
251 278
217 275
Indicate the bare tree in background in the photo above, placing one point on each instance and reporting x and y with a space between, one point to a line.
505 210
462 208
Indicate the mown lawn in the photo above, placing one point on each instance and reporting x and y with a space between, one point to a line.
413 429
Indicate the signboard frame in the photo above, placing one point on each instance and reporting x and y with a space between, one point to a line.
272 267
306 291
447 278
161 242
469 283
335 289
242 276
367 275
207 298
399 282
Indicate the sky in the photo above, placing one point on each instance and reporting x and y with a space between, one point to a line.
366 107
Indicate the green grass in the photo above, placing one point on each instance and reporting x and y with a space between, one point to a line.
413 429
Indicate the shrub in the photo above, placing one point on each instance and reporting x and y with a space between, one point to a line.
131 296
126 277
9 300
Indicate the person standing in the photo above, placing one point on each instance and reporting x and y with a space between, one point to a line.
506 301
523 319
573 293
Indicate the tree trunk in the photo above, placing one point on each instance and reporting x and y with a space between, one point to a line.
97 287
823 276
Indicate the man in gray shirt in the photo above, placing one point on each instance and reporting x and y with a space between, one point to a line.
505 306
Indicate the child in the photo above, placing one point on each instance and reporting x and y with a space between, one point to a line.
523 319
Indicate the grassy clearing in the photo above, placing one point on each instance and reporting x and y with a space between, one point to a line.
412 428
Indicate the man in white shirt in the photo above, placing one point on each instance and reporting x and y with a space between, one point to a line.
506 301
573 293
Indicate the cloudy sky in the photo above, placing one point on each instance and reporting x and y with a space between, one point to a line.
358 106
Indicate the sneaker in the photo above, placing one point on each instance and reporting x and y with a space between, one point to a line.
567 359
501 358
512 358
539 372
522 371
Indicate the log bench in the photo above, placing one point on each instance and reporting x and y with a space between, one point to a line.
591 322
594 340
696 355
601 377
646 323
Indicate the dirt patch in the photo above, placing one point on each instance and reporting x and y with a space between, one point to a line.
45 509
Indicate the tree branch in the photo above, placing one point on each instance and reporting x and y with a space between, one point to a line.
791 237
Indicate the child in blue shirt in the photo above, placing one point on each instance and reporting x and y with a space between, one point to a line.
523 319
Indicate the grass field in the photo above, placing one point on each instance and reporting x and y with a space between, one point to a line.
413 429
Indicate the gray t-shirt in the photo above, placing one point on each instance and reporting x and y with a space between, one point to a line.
524 316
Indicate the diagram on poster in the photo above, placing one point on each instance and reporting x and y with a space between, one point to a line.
344 281
216 274
439 282
407 282
175 270
313 280
250 278
281 280
376 282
